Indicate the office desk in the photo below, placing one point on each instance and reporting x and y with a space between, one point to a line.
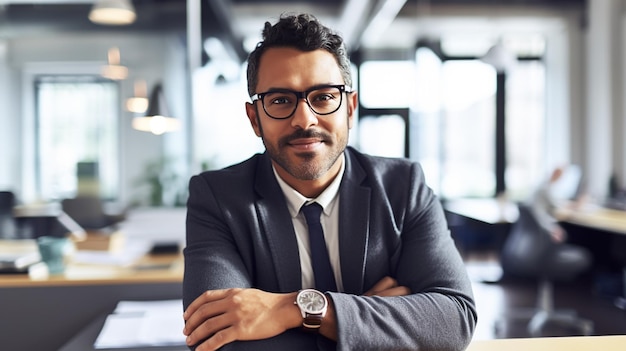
580 343
594 217
148 269
485 210
42 314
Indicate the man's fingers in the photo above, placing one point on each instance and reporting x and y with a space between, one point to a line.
207 296
388 286
204 307
383 284
218 340
212 331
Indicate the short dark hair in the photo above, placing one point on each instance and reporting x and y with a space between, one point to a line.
303 32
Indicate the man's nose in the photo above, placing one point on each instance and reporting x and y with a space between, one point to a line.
303 117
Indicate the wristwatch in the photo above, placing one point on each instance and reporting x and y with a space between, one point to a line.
313 305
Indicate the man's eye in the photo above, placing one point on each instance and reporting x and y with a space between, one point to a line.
323 97
280 100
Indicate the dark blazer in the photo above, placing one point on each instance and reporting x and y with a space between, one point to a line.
240 234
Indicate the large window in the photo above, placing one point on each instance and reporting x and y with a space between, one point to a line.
386 91
453 128
454 125
77 136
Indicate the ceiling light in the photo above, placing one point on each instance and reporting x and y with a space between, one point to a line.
114 70
113 12
156 121
139 102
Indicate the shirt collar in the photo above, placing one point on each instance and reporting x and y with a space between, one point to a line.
295 200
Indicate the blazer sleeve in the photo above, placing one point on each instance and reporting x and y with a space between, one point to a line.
212 259
440 313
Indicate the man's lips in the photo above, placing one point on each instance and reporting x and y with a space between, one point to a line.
306 143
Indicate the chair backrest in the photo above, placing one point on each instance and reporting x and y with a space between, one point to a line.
87 211
7 222
528 246
7 202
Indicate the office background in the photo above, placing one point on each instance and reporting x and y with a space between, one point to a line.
581 48
420 69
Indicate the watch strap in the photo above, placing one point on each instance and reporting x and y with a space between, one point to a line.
312 322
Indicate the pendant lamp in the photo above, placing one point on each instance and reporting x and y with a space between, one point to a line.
157 121
113 12
139 102
114 70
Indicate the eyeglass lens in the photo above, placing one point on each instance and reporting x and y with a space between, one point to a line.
282 104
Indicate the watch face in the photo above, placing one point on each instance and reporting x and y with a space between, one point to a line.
312 301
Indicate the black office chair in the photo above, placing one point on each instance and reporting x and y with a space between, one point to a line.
530 252
89 213
8 228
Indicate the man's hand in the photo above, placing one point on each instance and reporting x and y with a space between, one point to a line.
388 287
219 317
223 316
558 234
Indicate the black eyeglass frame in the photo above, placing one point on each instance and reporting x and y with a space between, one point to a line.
343 88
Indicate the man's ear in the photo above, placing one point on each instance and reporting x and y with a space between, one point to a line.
252 117
352 103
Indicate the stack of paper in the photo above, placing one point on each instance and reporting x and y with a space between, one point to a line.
142 324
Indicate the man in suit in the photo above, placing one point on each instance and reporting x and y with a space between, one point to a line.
252 277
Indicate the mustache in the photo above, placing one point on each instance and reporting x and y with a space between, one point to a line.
301 134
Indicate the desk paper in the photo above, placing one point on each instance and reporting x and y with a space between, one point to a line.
143 323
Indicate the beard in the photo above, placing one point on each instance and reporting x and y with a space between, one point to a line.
306 165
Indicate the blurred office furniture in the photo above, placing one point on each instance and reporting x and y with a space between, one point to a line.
89 212
620 301
479 227
530 252
58 307
602 229
45 219
7 222
617 194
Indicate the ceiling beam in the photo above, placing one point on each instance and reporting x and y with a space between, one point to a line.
380 20
354 16
222 11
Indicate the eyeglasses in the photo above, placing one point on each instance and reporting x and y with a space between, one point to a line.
282 103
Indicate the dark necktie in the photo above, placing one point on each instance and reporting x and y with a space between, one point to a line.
322 270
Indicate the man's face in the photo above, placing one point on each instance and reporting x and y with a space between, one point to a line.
305 146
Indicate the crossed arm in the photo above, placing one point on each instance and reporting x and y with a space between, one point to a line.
218 317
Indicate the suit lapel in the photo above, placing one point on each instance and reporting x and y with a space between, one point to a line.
354 210
277 225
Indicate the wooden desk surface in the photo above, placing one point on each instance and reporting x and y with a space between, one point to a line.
164 268
493 211
580 343
487 210
595 216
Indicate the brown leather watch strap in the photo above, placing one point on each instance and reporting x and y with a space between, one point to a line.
312 323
